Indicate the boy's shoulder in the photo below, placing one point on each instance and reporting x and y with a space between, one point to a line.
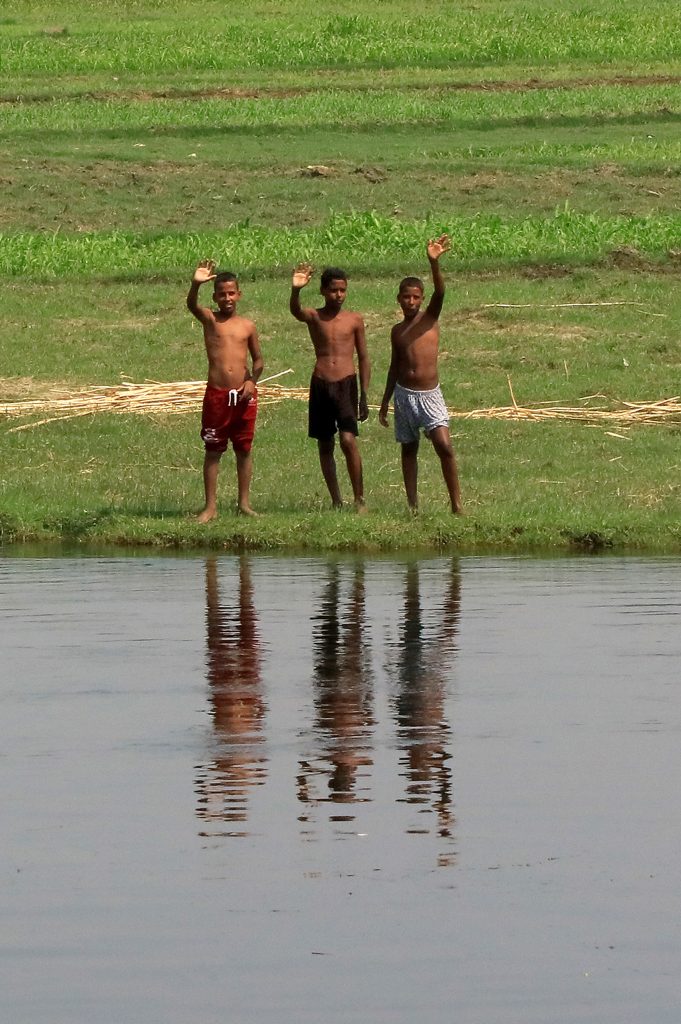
353 316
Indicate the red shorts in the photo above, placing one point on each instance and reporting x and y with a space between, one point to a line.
227 417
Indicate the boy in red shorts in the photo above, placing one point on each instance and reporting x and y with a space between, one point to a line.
230 403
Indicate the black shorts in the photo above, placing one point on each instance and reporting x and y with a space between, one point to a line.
333 406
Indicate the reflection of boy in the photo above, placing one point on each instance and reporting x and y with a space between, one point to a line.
230 403
233 661
334 405
413 378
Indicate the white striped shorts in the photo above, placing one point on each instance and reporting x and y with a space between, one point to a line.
418 410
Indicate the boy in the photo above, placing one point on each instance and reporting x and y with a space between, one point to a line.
230 403
336 336
413 378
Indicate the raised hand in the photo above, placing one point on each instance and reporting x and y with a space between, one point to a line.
204 272
302 274
436 246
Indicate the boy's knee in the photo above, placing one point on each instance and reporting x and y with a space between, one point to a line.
442 443
348 442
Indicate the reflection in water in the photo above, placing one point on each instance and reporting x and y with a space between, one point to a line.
426 649
233 660
343 697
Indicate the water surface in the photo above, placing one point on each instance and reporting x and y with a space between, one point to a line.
274 790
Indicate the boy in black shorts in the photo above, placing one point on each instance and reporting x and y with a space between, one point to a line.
335 405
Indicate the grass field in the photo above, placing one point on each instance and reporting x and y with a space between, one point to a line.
134 142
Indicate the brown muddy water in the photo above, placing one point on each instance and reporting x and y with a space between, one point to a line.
285 791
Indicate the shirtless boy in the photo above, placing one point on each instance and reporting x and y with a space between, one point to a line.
336 336
230 403
413 379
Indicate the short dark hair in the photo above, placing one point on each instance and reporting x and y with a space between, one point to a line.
223 277
411 282
330 274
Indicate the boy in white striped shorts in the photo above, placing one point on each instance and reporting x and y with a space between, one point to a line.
413 380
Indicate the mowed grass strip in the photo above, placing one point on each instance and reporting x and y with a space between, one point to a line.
359 108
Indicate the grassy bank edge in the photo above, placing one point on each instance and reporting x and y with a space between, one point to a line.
332 532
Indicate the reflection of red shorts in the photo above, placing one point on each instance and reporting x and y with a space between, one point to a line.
226 417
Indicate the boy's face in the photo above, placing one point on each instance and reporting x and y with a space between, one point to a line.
335 292
409 299
226 295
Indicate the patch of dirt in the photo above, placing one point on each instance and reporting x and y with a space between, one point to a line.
524 329
483 180
19 388
235 93
628 258
317 171
542 271
372 174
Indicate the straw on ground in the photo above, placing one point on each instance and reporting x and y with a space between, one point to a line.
156 397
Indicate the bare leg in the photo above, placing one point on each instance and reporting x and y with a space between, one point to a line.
328 464
410 471
211 468
353 461
244 472
443 446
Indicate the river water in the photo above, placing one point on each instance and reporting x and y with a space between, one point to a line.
258 789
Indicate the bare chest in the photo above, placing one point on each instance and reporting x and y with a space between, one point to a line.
414 338
227 336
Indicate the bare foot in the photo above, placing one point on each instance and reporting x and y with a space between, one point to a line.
206 515
246 510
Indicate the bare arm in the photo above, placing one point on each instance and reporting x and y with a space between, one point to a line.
364 367
301 276
389 387
204 272
436 247
257 365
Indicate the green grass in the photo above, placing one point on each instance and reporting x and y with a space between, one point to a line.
451 109
363 241
402 35
544 138
526 486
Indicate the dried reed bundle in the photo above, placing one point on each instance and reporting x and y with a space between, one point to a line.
151 397
667 410
128 397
